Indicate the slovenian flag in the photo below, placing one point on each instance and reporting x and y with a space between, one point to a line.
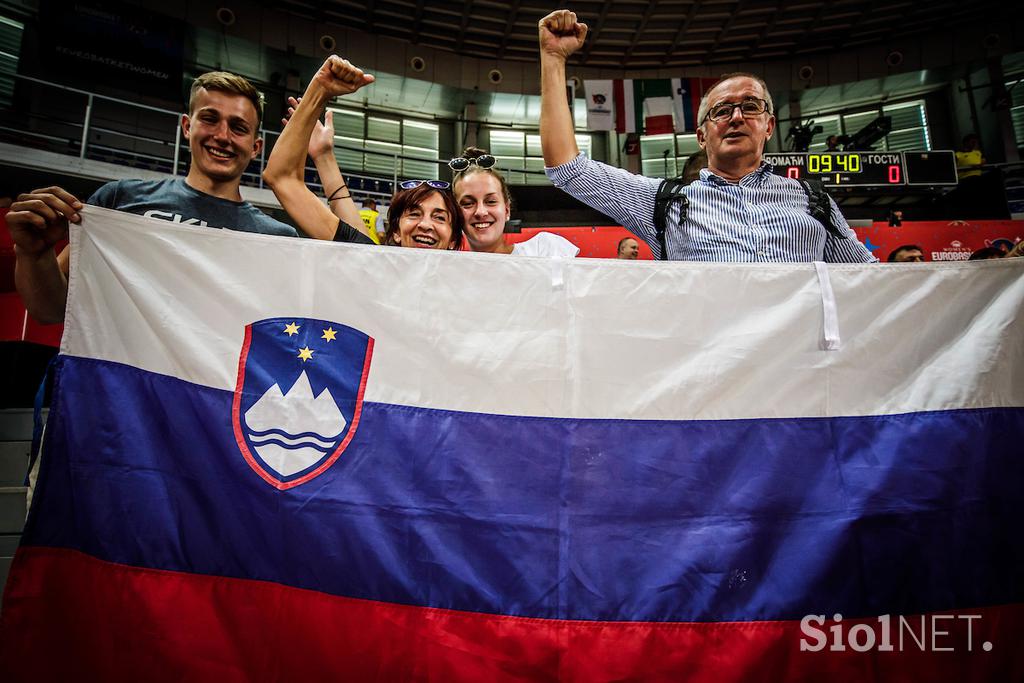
504 469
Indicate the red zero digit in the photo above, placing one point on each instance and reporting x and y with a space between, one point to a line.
894 174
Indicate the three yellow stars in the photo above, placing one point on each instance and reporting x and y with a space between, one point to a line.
306 353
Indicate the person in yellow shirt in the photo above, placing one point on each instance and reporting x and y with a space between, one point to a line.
969 159
369 214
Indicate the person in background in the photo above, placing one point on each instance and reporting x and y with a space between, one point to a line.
423 213
370 217
486 203
222 128
986 253
906 253
628 248
969 159
895 218
691 169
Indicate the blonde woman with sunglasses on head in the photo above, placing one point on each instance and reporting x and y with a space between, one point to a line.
486 205
423 213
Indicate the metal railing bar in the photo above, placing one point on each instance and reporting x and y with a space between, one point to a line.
265 133
97 95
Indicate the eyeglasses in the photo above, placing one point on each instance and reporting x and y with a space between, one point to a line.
459 164
749 108
436 184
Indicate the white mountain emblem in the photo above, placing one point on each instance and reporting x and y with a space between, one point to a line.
293 431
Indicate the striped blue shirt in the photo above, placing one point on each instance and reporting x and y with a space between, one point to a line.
764 217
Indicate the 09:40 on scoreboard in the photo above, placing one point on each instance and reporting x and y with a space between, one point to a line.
843 169
869 169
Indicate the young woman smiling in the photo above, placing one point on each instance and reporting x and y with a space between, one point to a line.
486 204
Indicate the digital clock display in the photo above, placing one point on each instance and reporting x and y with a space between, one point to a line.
868 169
843 169
833 163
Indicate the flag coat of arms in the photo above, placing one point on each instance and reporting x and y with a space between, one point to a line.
520 469
291 435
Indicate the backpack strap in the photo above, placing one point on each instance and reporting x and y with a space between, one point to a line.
819 206
670 190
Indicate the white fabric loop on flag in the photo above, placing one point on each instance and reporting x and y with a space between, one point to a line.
830 330
557 274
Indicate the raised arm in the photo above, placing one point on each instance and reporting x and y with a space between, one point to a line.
285 171
560 35
37 222
321 150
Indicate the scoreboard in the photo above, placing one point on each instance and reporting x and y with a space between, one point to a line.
868 169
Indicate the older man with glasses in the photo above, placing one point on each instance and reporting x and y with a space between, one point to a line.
738 210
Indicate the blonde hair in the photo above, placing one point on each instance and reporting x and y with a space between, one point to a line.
476 153
225 81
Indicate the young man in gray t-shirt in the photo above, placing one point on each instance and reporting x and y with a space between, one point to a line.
222 129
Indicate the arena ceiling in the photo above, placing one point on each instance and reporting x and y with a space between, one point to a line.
642 34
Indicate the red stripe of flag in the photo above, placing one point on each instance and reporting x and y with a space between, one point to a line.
68 616
619 97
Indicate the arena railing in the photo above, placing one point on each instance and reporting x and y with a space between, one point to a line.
114 130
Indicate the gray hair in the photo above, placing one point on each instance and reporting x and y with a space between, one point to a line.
705 103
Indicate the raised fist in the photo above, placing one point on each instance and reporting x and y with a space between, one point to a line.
561 34
339 77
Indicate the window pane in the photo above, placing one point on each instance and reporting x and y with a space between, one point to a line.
579 112
854 122
658 155
533 146
507 143
536 164
383 163
659 168
386 130
349 123
419 134
349 160
907 140
1016 90
687 144
909 127
506 164
414 168
906 116
10 48
420 170
656 146
583 141
1017 116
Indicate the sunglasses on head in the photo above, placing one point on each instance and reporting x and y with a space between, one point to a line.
436 184
462 163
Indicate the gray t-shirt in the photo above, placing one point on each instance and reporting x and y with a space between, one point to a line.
176 201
